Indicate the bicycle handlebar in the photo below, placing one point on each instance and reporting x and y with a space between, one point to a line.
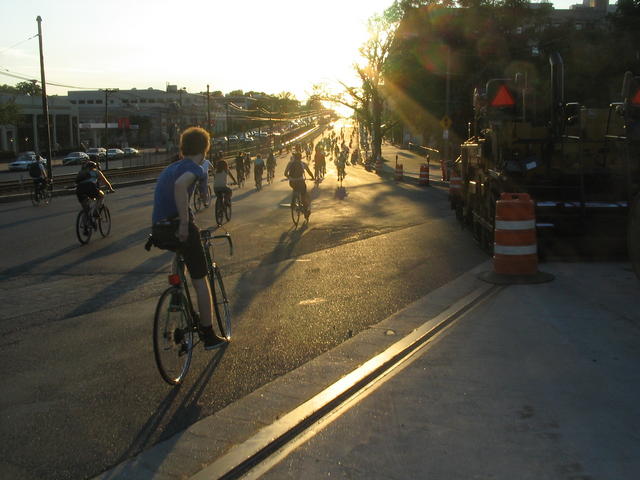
228 237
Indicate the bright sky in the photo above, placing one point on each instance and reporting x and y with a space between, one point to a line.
270 46
261 45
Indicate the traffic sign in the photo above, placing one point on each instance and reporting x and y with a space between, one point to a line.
445 122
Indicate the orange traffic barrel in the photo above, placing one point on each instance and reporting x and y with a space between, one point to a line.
424 174
515 251
399 172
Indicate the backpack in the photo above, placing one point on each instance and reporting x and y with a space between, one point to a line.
34 170
296 170
82 175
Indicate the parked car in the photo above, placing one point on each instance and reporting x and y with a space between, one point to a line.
233 138
97 154
131 152
220 140
75 158
24 160
114 153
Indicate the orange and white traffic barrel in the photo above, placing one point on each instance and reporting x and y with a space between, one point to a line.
399 172
515 251
424 174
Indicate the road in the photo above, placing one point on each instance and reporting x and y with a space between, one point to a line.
80 388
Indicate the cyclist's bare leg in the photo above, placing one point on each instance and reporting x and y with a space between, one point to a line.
205 305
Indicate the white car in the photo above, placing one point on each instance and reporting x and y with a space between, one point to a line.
24 160
114 153
75 158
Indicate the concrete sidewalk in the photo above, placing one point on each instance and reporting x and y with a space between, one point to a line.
535 381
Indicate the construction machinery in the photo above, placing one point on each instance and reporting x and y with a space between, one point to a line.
580 165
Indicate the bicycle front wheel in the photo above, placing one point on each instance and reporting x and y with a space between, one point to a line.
83 227
197 201
172 336
220 303
104 222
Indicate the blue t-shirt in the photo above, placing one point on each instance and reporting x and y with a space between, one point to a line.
164 201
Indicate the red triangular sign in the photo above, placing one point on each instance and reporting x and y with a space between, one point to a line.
636 99
503 98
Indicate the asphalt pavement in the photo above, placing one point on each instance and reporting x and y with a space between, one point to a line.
501 382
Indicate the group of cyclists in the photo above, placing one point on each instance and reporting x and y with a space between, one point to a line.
243 162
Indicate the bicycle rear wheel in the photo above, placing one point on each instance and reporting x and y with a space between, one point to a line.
295 209
227 208
172 336
35 197
220 303
47 194
219 210
104 221
84 229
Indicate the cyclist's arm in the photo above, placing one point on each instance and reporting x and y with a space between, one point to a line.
232 177
104 179
306 167
181 194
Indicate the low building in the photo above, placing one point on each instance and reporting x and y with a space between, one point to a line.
29 132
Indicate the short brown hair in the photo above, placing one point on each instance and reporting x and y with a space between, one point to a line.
194 140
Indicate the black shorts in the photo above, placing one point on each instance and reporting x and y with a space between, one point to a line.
299 186
165 237
88 190
222 191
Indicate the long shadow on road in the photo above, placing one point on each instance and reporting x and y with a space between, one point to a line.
168 419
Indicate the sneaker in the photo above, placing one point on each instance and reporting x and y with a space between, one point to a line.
211 340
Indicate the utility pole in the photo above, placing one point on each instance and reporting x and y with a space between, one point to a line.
107 91
45 104
227 124
448 90
209 119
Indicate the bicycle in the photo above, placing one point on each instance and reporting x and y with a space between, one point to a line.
271 173
41 194
223 208
89 220
176 324
341 172
198 202
258 179
297 207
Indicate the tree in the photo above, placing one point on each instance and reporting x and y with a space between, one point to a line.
9 113
31 88
8 89
235 93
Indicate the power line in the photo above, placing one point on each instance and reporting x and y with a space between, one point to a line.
19 43
21 76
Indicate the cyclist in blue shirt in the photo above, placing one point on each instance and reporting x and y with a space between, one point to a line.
174 187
